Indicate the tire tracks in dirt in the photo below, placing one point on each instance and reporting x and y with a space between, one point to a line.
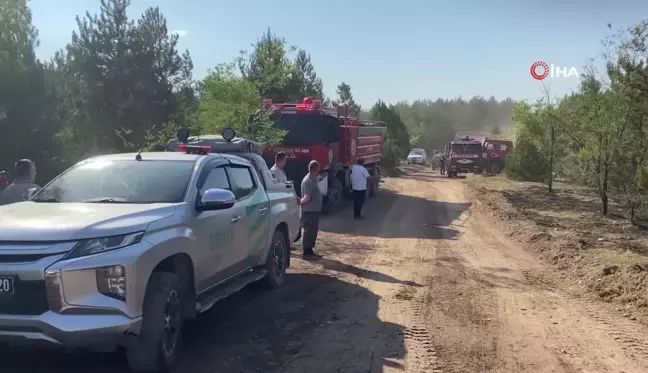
495 311
393 269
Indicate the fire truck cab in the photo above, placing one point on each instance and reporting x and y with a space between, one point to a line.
463 155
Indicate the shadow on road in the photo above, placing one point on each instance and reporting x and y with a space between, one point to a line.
253 331
411 217
336 265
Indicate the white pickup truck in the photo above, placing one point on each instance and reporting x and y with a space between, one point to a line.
120 249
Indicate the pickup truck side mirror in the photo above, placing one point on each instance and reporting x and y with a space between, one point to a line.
216 199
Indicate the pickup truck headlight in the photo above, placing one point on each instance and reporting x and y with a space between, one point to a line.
103 244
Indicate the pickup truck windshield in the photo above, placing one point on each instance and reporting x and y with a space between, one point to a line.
120 181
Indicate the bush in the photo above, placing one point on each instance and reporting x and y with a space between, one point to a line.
527 163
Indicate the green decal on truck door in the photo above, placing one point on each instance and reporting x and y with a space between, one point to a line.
254 203
221 240
258 230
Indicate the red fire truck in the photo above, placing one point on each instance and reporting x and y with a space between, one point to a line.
495 154
331 137
463 155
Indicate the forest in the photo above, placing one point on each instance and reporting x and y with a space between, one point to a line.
121 84
596 136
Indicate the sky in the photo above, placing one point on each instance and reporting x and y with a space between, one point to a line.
389 49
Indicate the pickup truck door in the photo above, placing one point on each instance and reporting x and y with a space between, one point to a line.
252 229
215 231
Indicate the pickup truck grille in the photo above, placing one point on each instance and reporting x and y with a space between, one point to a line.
29 298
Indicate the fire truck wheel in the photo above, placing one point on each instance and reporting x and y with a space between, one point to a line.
335 194
371 188
495 169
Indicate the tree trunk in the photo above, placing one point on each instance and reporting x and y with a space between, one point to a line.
551 157
604 189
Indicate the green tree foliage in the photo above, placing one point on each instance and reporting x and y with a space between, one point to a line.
126 74
345 96
397 143
529 162
28 104
305 80
121 84
598 134
434 123
270 69
228 100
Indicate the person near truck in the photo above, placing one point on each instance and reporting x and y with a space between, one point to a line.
359 176
4 180
18 191
311 207
443 163
278 168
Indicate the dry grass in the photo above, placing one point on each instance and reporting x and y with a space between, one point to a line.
606 255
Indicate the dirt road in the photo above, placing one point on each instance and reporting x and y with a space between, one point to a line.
424 285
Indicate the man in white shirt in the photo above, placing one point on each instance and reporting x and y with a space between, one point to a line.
278 168
359 176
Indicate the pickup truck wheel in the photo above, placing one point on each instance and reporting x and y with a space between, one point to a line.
157 346
277 261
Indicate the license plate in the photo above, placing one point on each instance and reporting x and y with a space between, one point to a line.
6 285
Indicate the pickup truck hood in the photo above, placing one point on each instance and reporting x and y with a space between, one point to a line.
41 221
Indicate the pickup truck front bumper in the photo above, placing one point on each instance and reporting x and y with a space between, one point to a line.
57 302
53 329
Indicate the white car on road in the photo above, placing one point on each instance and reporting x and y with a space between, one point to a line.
417 156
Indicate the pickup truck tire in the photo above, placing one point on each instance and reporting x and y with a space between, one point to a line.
277 261
157 346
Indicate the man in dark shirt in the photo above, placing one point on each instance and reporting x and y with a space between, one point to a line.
311 207
442 163
18 191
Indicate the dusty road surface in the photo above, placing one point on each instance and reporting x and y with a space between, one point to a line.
423 285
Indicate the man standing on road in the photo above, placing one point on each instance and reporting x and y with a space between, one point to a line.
311 207
443 163
359 176
278 168
18 191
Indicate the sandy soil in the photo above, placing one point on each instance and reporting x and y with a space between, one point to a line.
602 255
425 284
